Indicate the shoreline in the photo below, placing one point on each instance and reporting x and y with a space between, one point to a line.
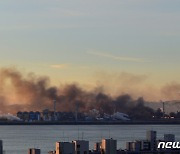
164 122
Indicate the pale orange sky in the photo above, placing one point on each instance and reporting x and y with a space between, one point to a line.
93 42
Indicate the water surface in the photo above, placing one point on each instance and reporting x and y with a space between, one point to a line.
17 139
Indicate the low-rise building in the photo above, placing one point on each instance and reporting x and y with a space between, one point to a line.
81 147
169 137
145 145
97 147
109 146
34 151
65 148
151 137
1 147
133 146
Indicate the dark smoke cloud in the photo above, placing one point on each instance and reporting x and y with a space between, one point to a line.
17 92
20 93
171 91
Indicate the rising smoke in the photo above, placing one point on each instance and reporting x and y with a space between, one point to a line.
20 93
9 117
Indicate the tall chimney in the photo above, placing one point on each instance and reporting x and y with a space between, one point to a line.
163 109
54 101
76 111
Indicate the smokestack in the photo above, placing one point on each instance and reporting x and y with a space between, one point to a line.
54 101
163 109
76 112
114 107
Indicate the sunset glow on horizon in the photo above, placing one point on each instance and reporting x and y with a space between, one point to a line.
121 46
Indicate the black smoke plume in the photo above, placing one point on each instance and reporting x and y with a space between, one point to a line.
32 93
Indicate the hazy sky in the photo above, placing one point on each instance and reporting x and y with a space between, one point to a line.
75 40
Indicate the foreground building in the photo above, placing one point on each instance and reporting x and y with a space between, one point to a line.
34 151
109 146
1 147
81 147
169 137
65 148
151 137
150 145
74 147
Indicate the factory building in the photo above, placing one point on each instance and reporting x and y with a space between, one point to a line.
65 148
20 115
81 147
34 116
29 116
109 146
34 151
25 116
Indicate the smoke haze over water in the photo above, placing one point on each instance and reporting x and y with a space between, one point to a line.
29 92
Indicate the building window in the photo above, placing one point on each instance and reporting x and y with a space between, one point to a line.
78 146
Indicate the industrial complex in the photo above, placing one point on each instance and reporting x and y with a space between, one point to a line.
92 115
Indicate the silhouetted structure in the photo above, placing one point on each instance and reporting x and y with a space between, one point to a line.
1 147
34 151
